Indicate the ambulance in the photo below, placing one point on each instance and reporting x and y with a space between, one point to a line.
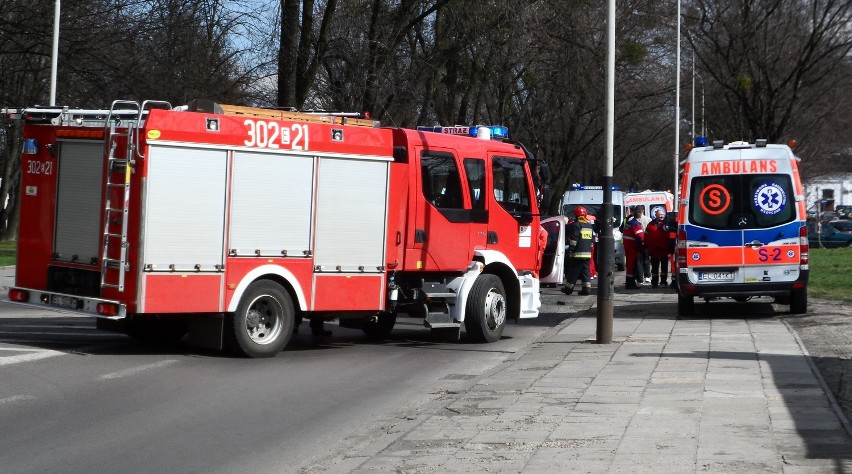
650 201
742 226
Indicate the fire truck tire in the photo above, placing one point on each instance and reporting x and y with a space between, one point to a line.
263 323
685 305
485 312
799 301
381 327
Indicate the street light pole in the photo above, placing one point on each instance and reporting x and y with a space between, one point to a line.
675 192
55 55
607 242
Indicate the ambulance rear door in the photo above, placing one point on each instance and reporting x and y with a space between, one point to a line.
742 225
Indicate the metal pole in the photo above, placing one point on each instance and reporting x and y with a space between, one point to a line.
55 56
703 123
677 113
606 252
693 96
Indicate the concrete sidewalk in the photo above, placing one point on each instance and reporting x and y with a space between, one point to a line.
713 393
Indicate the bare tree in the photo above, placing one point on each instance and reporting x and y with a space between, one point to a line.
769 61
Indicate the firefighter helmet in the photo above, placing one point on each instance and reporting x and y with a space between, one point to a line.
580 211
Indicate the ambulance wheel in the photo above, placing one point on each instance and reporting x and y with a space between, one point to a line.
685 305
263 323
381 327
799 301
486 309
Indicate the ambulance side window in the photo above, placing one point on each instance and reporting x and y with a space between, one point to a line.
441 180
510 184
475 170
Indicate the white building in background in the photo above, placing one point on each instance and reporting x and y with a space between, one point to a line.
832 191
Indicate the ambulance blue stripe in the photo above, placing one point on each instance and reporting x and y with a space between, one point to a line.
722 238
786 231
729 238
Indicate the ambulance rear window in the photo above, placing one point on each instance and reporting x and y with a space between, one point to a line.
756 201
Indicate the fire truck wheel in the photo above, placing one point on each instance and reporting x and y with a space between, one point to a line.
486 309
263 323
381 327
799 301
685 305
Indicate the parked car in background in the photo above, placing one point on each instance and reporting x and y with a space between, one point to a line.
844 212
828 238
844 226
828 216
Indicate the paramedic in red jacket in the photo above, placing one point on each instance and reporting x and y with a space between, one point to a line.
633 238
659 248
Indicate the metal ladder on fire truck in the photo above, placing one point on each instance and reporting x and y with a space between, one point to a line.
120 159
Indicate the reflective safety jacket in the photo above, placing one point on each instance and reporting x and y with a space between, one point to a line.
633 235
581 236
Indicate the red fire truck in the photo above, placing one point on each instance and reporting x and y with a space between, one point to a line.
229 224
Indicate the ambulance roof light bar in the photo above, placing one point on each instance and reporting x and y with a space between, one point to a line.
582 187
496 132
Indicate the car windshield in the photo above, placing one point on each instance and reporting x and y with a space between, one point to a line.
593 209
742 201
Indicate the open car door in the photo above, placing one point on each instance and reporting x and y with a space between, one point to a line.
553 261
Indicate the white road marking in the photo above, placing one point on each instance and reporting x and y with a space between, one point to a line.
16 398
136 370
17 359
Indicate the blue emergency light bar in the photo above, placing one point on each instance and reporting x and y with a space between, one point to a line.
581 187
700 141
498 132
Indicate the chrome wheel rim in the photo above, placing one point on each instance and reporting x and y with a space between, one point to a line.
264 319
495 309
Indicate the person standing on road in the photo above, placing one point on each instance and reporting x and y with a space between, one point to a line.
633 238
581 236
659 248
644 272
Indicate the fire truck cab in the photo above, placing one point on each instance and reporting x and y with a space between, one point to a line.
229 224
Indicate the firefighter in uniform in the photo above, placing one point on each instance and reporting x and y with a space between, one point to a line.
580 236
634 241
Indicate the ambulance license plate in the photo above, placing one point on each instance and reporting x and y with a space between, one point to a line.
715 276
66 302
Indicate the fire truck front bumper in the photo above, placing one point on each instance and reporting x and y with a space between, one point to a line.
68 303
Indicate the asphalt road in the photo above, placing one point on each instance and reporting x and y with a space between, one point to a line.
76 399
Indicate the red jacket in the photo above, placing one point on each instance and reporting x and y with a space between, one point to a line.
657 239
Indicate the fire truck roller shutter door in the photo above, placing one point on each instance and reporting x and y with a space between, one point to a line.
271 205
351 220
185 209
78 201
